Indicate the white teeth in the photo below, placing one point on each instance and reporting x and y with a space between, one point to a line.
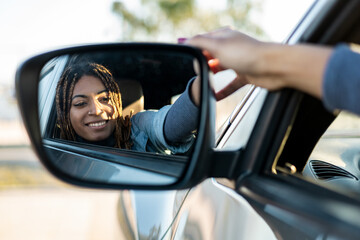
97 124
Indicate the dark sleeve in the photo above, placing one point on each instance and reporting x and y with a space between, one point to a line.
182 118
341 83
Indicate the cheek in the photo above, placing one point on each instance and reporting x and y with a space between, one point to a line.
110 111
112 124
76 117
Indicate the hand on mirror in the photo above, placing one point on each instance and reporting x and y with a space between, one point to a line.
269 65
233 49
224 58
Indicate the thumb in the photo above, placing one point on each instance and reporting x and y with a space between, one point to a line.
237 83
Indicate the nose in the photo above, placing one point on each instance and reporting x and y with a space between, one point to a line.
95 108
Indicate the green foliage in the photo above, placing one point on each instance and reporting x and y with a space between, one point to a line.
169 19
134 21
176 11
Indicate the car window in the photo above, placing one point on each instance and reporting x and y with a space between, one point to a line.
320 147
335 159
229 105
227 108
143 85
49 76
229 111
242 120
104 161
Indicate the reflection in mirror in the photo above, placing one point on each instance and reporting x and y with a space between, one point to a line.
97 108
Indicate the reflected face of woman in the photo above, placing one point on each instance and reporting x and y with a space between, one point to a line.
92 114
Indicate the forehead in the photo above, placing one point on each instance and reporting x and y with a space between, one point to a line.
88 85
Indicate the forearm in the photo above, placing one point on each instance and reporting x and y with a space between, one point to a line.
295 66
195 91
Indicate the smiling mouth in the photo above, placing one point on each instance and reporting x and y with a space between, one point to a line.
97 124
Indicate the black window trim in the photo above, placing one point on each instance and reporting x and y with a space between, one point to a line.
171 165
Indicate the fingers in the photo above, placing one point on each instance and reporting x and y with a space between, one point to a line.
205 43
214 65
218 33
225 48
209 41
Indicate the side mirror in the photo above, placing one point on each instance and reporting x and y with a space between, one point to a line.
89 112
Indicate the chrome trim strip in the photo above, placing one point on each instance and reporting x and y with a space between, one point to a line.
240 114
313 13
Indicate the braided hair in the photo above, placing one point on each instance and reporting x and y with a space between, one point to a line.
64 92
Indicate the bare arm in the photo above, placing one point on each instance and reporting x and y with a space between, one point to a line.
269 65
296 66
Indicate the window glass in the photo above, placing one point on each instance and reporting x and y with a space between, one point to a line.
49 76
345 124
226 106
265 18
335 160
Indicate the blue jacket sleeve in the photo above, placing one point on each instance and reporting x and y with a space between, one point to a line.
168 129
147 133
182 118
341 83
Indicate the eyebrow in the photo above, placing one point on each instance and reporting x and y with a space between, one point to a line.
84 96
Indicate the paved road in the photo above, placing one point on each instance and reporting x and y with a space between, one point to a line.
58 214
35 205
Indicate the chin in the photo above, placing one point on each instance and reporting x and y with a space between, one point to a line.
100 138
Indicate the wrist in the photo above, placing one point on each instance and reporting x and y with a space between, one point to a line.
195 91
298 66
307 68
267 60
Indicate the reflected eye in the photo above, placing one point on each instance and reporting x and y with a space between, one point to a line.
79 104
104 99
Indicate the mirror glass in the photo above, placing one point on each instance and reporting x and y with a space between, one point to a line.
123 117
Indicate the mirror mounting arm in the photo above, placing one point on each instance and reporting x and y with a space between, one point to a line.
224 164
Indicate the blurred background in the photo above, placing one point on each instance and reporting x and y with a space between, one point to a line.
31 27
33 204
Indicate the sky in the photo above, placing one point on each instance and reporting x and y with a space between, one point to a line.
30 27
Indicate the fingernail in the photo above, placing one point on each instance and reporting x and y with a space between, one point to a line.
181 40
214 65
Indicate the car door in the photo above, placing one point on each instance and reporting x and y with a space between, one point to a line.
277 193
265 148
215 209
271 175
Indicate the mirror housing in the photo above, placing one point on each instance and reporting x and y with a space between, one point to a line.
199 165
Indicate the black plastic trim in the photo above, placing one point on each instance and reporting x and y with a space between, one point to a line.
224 163
169 165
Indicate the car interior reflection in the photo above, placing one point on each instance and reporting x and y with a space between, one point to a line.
99 103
